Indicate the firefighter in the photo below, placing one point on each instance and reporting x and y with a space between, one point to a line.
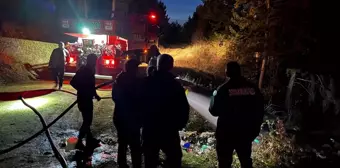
239 106
168 114
152 55
84 83
127 119
57 64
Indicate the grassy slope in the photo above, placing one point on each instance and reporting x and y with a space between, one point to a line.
17 54
207 57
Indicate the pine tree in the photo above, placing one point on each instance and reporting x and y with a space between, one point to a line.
248 27
189 28
163 18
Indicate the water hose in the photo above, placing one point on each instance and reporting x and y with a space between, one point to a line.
57 154
46 127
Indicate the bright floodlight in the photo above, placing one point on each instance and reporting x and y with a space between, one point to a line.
86 31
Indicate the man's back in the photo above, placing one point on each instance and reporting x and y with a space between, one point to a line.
84 82
165 103
57 59
239 106
125 94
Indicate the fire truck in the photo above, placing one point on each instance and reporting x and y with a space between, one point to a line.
102 37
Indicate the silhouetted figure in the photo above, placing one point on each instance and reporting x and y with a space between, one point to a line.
239 106
165 112
127 119
84 83
81 58
153 54
57 64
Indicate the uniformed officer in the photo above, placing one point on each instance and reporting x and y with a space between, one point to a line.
239 106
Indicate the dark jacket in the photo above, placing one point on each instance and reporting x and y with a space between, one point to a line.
125 94
58 57
165 106
84 82
239 106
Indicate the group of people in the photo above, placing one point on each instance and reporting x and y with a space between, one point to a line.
159 121
156 104
149 112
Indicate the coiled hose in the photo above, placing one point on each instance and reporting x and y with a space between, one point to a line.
46 127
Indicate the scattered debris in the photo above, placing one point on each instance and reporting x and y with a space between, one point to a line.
198 143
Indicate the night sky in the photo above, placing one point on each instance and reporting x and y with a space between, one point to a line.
180 10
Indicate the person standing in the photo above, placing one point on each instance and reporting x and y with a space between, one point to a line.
239 106
152 55
165 113
57 64
126 118
84 83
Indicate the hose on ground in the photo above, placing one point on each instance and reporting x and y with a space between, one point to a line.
52 123
57 154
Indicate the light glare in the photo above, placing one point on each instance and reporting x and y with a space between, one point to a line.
86 31
34 102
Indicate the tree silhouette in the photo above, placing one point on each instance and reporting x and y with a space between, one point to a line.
173 34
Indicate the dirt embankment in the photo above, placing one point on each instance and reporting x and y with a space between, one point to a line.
204 56
17 56
201 63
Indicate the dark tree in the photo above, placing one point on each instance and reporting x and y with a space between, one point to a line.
173 34
189 28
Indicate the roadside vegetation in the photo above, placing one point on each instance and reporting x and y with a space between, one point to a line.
205 56
300 84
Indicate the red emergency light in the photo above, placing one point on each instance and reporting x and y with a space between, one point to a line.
71 59
109 61
153 17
